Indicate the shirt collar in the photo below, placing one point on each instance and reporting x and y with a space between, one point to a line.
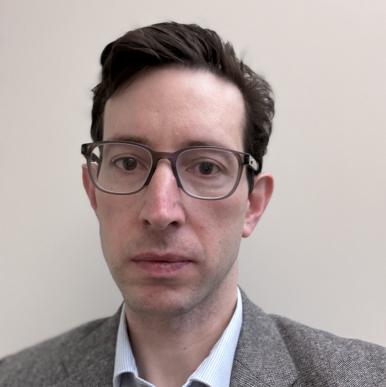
214 371
124 357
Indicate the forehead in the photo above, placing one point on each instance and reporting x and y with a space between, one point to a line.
173 107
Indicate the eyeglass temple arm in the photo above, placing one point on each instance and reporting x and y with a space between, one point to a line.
252 163
85 152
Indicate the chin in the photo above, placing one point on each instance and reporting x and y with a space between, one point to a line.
160 301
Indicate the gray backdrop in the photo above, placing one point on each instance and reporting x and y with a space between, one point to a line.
318 255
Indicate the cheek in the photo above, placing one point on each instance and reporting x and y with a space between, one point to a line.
114 222
220 225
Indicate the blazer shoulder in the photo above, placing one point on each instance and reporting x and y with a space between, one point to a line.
45 363
324 356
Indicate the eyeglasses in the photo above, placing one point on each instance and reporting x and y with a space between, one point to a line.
202 172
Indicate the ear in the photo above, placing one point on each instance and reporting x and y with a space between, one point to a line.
258 201
89 187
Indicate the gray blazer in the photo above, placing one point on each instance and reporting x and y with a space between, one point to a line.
272 351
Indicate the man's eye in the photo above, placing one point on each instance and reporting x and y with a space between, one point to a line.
206 168
126 163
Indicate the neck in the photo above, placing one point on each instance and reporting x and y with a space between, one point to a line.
168 349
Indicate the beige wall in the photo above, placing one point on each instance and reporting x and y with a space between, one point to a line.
318 256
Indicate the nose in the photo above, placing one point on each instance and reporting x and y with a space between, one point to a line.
162 207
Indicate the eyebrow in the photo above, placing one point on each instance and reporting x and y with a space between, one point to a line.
203 143
137 139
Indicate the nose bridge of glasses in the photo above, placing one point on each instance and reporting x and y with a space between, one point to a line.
171 157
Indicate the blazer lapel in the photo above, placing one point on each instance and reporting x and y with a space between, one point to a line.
261 357
91 361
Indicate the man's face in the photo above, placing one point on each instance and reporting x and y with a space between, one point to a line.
169 252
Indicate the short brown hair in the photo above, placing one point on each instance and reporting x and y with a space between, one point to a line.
187 45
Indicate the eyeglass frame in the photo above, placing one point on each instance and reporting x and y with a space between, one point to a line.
243 158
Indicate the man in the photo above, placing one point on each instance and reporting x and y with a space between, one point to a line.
180 127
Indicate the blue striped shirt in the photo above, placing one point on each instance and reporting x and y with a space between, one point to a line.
214 371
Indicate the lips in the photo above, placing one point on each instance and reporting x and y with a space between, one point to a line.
161 264
154 257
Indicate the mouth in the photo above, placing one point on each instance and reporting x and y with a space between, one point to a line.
161 264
